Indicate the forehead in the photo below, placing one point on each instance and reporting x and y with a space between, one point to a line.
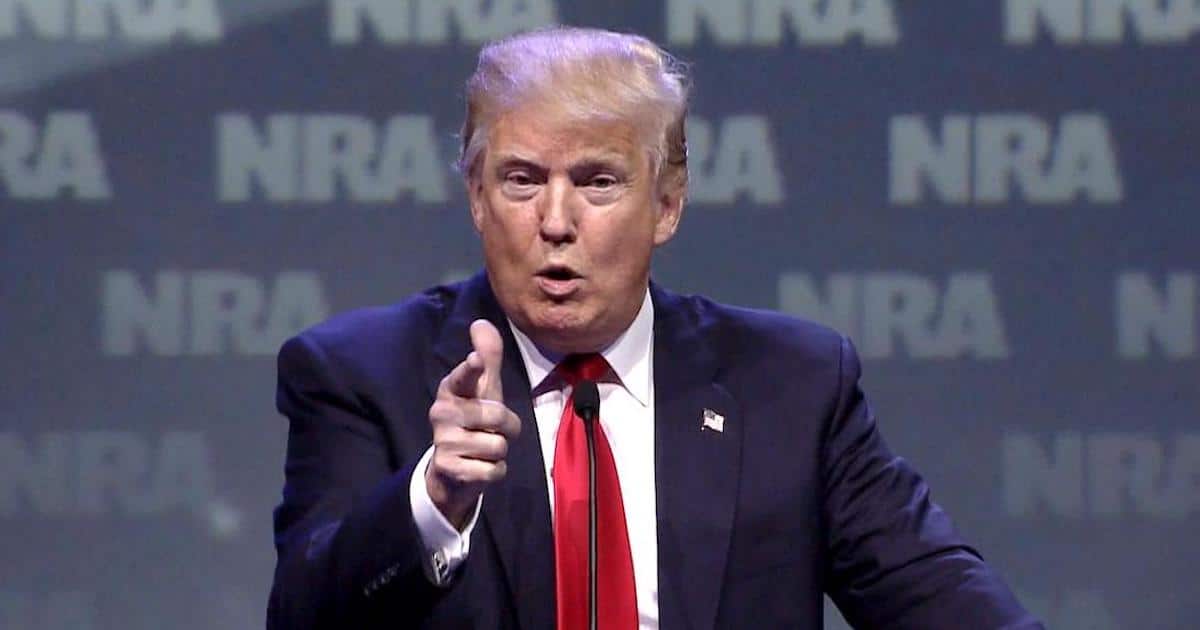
544 136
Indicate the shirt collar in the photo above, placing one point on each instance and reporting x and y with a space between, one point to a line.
629 355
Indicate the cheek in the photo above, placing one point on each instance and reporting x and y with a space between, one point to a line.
622 256
508 227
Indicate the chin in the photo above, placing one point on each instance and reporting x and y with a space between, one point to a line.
564 330
558 320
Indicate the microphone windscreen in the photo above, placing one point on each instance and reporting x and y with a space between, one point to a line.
587 399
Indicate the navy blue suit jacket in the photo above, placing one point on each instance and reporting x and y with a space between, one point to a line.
797 496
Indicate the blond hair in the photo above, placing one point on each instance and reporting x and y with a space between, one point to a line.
587 75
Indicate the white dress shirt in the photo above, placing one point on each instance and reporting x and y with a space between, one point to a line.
627 417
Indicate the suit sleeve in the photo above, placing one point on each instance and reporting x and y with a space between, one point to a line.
894 559
349 554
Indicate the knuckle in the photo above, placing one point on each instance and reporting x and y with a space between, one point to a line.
498 417
441 460
498 471
458 474
481 447
473 417
513 424
491 417
486 448
453 439
441 410
499 447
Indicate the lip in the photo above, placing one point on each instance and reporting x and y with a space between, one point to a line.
558 281
558 288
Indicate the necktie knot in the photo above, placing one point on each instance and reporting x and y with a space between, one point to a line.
577 367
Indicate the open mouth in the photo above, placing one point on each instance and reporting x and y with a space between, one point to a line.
559 282
558 272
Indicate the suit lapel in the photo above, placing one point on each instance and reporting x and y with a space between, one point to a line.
696 468
516 511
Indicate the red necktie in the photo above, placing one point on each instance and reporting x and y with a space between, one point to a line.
616 597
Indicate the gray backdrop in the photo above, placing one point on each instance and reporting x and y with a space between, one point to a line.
995 198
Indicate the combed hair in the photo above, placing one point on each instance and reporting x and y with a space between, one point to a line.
588 75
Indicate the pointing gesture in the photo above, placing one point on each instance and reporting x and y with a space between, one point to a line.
471 428
478 376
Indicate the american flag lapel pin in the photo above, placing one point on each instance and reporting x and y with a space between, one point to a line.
712 421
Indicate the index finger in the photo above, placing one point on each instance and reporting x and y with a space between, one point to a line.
463 380
489 347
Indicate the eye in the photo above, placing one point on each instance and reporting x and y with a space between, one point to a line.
518 178
603 182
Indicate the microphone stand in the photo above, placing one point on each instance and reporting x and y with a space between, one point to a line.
587 413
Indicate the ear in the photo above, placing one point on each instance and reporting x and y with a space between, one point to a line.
669 206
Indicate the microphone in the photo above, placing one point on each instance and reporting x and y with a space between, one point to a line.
587 407
587 400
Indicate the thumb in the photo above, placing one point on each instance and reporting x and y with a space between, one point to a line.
485 340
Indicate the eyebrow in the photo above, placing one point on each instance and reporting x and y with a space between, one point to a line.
591 166
509 161
603 159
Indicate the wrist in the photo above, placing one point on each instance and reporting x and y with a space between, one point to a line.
456 509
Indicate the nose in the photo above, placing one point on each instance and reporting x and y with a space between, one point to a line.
558 214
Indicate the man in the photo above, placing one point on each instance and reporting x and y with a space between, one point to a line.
434 472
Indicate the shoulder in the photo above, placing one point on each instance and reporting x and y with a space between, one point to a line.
419 314
770 362
738 333
377 334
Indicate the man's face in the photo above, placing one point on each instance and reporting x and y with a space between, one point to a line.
569 214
